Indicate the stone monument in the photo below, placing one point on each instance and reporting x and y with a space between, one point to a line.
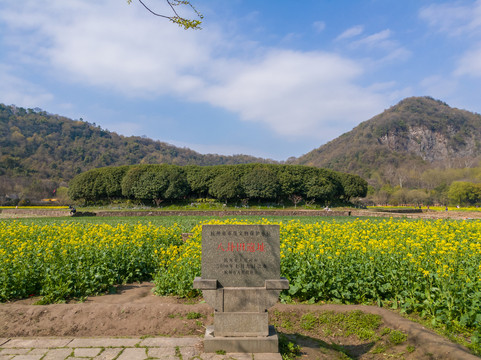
241 279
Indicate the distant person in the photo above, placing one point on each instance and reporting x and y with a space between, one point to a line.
72 210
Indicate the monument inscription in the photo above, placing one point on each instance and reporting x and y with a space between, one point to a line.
240 255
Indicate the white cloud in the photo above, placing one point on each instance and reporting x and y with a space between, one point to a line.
453 18
15 90
296 94
351 32
124 49
461 21
125 127
111 45
439 87
216 148
319 26
397 54
470 63
290 38
380 39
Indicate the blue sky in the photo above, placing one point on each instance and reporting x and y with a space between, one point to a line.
264 78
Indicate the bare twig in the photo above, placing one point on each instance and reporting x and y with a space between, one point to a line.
152 12
172 7
185 23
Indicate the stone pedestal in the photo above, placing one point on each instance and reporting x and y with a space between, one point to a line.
241 281
241 320
241 344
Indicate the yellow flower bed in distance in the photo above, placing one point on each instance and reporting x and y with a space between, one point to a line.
34 207
424 207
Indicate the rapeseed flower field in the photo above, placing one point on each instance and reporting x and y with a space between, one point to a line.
432 268
71 260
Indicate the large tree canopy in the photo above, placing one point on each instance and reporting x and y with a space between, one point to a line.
232 183
175 17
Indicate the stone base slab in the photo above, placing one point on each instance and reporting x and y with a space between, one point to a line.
241 324
260 344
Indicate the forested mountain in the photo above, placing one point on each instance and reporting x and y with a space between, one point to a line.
420 143
408 139
39 151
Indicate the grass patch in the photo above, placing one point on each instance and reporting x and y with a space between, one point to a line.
345 335
356 323
178 353
174 315
397 337
194 315
288 350
308 321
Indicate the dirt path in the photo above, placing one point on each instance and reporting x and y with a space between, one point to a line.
135 311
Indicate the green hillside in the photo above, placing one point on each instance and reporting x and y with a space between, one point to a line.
417 133
40 151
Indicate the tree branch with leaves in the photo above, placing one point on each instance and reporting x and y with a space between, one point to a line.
176 18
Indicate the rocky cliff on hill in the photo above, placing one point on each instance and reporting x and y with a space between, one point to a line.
418 131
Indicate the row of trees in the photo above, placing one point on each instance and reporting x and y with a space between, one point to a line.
228 183
418 186
463 193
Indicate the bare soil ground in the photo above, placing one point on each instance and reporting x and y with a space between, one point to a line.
135 311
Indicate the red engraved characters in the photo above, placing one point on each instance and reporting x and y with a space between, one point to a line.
241 247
